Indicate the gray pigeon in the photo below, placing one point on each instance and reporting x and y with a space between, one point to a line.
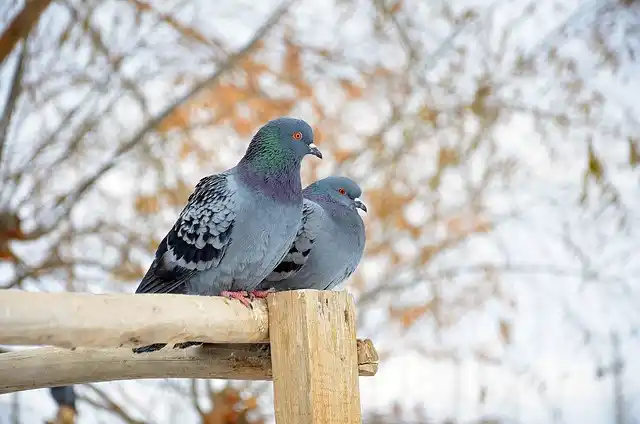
64 396
330 240
237 225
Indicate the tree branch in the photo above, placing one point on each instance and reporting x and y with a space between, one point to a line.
110 405
71 198
12 99
21 25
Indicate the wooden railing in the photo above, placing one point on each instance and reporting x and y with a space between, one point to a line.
302 340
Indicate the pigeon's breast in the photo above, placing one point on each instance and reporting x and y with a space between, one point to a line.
263 231
335 255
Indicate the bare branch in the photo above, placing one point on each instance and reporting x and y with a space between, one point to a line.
21 26
12 98
194 397
110 404
174 23
68 201
114 63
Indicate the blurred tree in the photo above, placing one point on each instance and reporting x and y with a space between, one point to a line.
18 29
418 415
230 408
448 113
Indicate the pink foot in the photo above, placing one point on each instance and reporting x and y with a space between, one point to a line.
239 295
260 294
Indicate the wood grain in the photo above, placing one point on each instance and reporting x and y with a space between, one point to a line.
314 357
118 320
50 367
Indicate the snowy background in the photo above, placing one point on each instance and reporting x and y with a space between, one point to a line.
497 144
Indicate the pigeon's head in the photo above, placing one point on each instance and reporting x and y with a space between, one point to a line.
341 190
286 137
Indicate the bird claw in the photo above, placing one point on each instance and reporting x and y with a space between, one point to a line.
260 294
239 295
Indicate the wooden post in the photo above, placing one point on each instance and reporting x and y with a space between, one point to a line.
314 357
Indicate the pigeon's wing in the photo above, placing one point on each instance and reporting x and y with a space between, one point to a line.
164 279
297 255
348 270
198 240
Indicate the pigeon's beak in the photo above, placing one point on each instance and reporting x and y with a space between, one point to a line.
360 205
313 150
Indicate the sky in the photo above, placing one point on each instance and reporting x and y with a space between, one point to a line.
547 346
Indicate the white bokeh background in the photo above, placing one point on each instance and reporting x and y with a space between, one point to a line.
568 302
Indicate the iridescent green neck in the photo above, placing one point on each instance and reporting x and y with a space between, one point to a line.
270 168
267 154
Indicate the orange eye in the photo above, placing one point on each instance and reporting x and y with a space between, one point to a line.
342 191
297 135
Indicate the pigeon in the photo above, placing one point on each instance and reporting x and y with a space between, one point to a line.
330 241
64 396
239 224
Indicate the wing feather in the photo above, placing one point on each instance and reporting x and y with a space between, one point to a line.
197 241
302 246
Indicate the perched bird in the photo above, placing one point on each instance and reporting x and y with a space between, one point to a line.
330 240
237 225
65 398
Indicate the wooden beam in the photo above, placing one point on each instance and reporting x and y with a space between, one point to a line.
118 320
50 367
314 357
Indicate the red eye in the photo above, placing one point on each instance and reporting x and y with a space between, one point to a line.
342 191
297 135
